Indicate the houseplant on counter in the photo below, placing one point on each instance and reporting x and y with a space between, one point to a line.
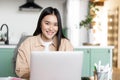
89 22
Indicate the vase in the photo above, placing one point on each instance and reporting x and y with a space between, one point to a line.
92 36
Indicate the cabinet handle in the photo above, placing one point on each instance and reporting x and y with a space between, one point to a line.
108 51
88 51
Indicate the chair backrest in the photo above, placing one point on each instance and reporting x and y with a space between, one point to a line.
16 50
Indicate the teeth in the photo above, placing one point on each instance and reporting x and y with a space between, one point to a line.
50 33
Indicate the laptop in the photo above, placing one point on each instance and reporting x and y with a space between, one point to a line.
57 65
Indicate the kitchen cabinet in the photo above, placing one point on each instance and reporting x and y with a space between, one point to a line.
6 61
94 55
86 61
104 55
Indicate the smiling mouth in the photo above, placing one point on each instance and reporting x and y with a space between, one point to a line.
50 33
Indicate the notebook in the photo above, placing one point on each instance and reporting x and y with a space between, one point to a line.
57 65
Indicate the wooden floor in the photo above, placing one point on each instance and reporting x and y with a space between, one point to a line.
116 74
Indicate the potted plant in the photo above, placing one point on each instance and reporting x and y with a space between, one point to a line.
88 22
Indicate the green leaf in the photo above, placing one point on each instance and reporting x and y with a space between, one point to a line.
86 23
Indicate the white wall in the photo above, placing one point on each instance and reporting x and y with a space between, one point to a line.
23 22
76 11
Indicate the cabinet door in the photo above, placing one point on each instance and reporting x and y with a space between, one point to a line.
97 55
6 62
86 62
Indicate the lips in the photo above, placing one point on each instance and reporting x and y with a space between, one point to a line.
50 33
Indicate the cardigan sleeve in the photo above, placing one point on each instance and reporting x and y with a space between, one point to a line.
66 45
69 46
23 60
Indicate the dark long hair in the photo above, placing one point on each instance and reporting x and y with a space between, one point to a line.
48 11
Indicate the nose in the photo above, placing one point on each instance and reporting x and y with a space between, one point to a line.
51 27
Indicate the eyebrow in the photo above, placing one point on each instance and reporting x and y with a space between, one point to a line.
49 21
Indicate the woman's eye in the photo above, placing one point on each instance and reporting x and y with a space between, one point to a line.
56 24
47 23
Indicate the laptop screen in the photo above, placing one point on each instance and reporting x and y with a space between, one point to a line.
57 65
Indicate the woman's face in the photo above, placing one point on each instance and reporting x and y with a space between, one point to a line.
49 27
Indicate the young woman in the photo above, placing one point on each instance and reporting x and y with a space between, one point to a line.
48 36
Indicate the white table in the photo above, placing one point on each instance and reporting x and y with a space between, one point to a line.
4 78
8 78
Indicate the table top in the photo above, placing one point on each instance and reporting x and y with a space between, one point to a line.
10 78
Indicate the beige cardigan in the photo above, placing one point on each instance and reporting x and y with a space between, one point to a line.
31 44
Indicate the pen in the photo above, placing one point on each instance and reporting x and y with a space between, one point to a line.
95 68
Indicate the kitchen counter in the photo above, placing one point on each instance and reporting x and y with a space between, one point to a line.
111 47
8 46
15 45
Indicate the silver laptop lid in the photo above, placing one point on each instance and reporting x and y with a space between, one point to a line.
56 65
